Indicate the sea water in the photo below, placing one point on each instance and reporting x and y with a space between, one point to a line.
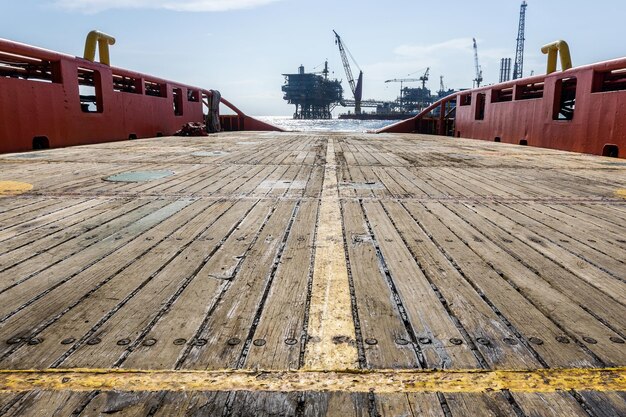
332 125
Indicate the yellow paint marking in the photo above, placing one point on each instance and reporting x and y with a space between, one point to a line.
621 193
380 381
331 330
14 188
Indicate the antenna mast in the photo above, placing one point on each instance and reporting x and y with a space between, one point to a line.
479 71
518 68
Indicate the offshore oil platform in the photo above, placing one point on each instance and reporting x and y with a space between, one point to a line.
315 96
412 100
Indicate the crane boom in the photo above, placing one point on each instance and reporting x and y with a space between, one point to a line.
479 71
357 89
403 80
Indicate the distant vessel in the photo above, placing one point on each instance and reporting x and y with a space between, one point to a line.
376 116
409 103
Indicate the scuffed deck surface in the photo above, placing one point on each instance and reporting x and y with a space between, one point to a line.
445 254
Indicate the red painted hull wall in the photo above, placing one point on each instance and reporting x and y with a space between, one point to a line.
599 117
30 109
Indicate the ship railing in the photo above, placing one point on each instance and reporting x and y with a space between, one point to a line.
63 100
578 109
241 121
436 119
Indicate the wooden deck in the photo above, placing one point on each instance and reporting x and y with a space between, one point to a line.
278 258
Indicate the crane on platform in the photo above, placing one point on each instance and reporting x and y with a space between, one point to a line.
357 89
424 78
479 71
402 81
323 72
518 67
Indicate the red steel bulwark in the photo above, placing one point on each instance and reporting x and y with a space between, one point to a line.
582 110
48 99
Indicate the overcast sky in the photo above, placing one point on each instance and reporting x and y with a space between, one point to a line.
241 47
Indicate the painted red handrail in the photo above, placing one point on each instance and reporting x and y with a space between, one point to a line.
250 123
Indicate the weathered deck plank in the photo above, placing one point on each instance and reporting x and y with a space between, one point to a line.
459 254
279 334
381 323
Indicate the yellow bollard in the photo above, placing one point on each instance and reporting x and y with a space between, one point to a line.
553 49
103 41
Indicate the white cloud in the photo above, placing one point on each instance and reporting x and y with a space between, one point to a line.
94 6
453 58
457 45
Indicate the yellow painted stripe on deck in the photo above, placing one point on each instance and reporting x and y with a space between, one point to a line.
14 188
332 337
379 381
621 193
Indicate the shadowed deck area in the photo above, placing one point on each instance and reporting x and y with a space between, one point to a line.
268 261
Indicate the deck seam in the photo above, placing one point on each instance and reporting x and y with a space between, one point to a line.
582 257
34 274
185 283
202 327
38 329
548 259
476 289
409 327
569 334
